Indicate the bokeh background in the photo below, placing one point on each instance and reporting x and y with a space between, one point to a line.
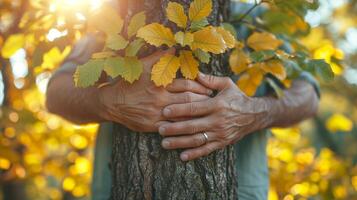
45 157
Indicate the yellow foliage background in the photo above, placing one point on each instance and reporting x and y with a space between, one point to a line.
49 158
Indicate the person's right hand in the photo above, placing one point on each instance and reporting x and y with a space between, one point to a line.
138 106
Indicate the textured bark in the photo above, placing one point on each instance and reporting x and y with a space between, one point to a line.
141 169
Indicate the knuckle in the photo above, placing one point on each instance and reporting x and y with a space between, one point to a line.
211 79
221 104
227 80
187 85
188 96
193 129
192 108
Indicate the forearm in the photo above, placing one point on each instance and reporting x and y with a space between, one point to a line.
77 105
298 103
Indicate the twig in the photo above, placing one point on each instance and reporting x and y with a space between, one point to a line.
240 19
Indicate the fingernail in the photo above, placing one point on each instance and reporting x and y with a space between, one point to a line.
162 130
165 144
184 157
209 92
167 111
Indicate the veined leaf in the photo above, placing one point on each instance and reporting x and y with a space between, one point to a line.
227 37
136 22
176 13
129 68
198 25
132 69
251 80
229 27
164 72
116 42
88 74
276 68
114 66
12 45
200 9
184 38
208 40
321 69
134 47
107 20
189 65
157 35
263 41
239 61
204 57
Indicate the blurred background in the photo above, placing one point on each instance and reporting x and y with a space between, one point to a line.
44 157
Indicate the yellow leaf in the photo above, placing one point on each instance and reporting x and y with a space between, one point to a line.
12 44
184 38
251 80
208 40
189 65
157 35
238 61
276 68
136 22
200 9
263 41
54 57
176 13
227 37
164 72
339 122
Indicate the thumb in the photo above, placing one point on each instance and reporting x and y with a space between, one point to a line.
214 82
155 57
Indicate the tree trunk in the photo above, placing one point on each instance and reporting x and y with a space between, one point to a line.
141 169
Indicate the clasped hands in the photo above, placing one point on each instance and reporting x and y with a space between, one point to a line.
184 113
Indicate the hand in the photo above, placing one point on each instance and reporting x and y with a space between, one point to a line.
139 106
224 119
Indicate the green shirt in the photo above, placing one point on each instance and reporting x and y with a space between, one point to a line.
251 163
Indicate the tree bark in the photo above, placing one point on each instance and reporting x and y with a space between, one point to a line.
141 169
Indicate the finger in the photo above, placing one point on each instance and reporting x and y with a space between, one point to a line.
183 85
214 82
187 97
186 127
193 109
183 142
150 60
201 151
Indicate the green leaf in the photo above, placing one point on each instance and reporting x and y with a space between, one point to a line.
229 27
279 92
129 68
136 22
132 69
292 68
321 69
260 56
204 57
114 66
88 74
198 25
134 47
116 42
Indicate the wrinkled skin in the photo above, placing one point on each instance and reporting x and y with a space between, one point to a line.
225 119
230 115
139 106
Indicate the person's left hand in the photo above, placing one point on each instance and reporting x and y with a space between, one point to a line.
214 123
